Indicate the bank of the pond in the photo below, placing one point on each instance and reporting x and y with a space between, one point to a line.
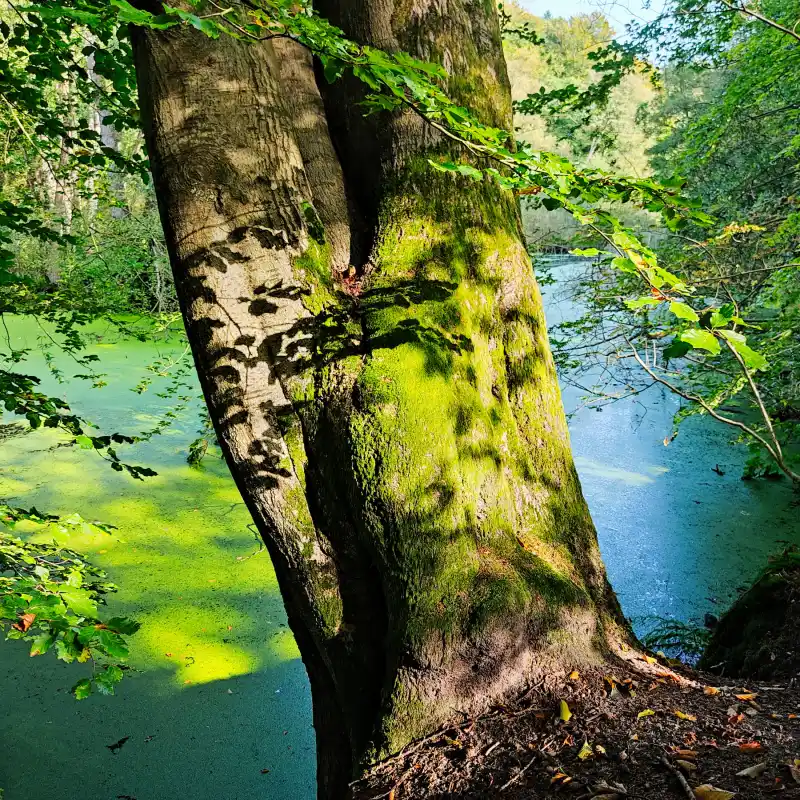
219 704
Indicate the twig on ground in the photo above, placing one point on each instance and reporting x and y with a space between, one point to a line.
517 776
681 779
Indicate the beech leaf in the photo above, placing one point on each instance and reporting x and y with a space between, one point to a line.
752 772
709 792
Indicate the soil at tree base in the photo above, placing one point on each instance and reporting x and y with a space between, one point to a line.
644 731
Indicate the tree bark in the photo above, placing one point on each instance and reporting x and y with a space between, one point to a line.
371 344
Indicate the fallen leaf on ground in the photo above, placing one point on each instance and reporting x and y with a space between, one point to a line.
752 772
686 766
574 675
650 660
585 751
685 753
648 712
681 715
794 771
565 715
710 690
709 792
748 696
749 746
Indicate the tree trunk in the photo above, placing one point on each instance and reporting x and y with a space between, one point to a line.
372 348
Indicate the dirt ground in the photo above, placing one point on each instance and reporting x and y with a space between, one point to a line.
647 731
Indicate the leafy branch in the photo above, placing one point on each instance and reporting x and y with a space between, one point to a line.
51 597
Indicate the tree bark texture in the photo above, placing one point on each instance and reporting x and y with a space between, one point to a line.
372 348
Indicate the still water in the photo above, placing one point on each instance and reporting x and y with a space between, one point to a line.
219 705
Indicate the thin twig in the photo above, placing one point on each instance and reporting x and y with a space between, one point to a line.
517 776
681 779
717 416
761 18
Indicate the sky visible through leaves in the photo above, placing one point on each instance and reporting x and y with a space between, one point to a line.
618 12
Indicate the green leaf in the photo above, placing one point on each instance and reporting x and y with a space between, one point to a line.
108 679
443 166
751 358
87 634
123 625
80 601
112 643
683 311
551 203
623 264
41 644
702 340
676 349
126 13
85 442
470 172
82 689
641 302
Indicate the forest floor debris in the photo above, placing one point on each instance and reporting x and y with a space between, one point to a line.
627 736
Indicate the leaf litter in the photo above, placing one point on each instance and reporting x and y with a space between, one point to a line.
592 736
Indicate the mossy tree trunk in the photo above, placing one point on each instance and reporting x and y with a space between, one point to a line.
371 344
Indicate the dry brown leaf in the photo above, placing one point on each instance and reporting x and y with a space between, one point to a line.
752 772
686 766
686 753
747 747
24 622
709 792
710 690
748 696
681 715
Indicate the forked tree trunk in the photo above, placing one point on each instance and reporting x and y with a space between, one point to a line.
390 414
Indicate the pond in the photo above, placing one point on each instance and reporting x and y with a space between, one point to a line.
219 705
677 537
